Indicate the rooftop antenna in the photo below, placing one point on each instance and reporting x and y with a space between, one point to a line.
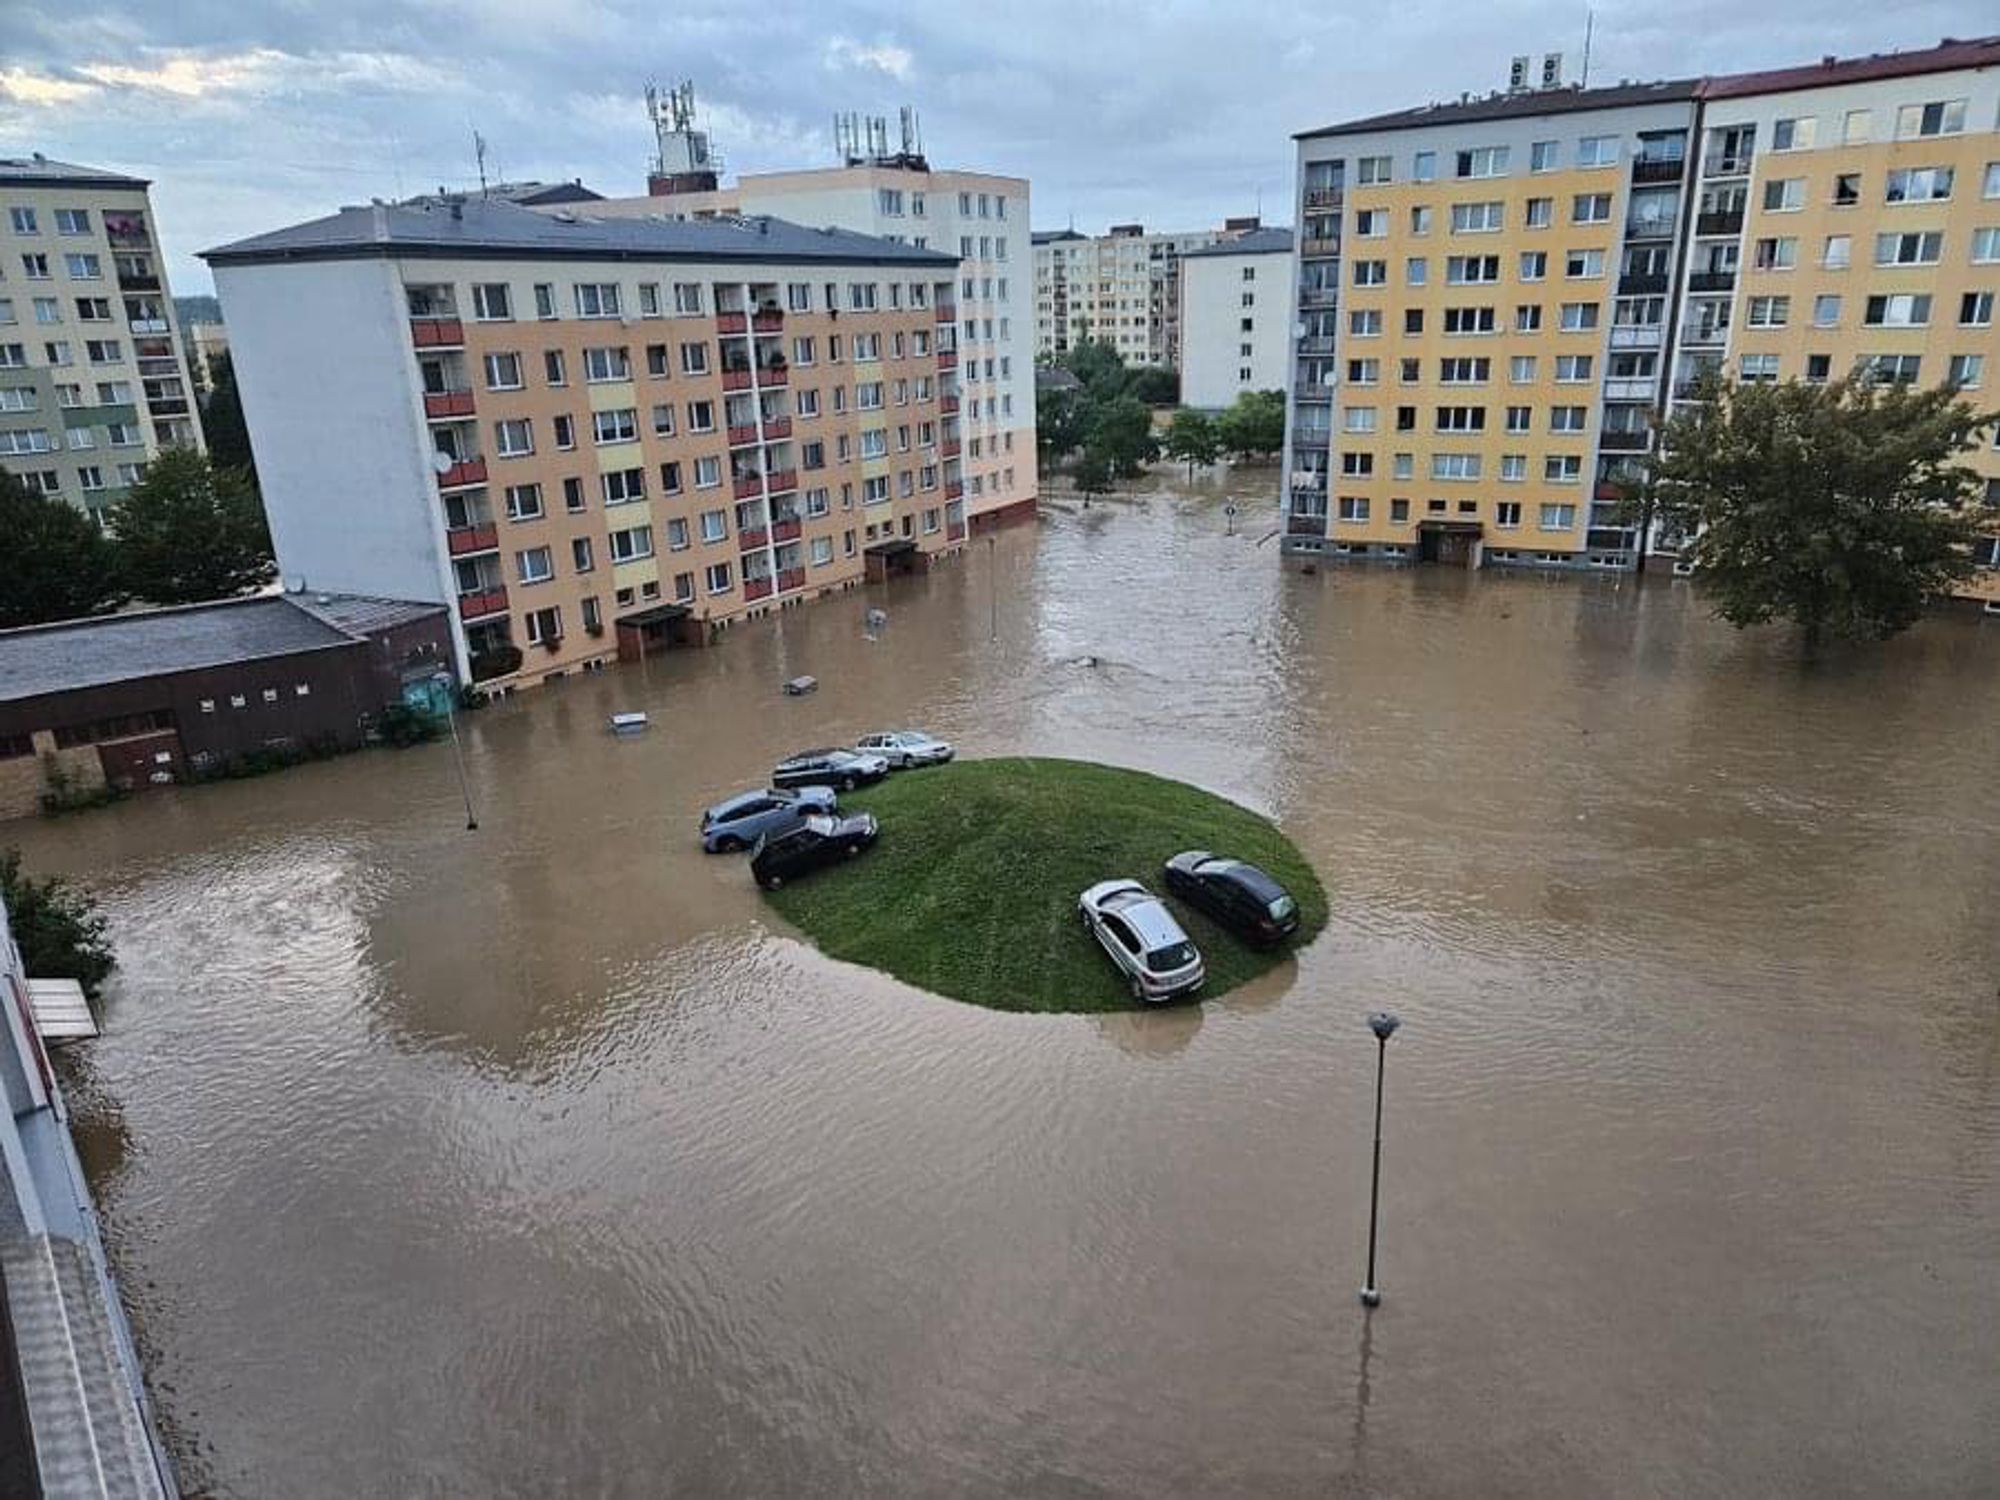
1589 25
479 151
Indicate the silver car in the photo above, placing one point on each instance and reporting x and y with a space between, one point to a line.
1143 939
737 823
904 748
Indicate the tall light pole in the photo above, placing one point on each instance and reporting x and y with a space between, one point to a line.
1383 1023
457 751
993 585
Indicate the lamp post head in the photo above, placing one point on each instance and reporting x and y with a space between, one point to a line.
1383 1023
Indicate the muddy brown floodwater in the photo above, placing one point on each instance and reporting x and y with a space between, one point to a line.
542 1160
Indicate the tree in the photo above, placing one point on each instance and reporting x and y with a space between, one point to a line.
1154 386
1059 421
58 564
1093 472
58 929
222 421
191 531
1838 507
1122 429
1254 424
1098 366
1192 437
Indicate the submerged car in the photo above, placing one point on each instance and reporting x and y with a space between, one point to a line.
1142 937
829 767
904 748
815 841
1239 896
742 820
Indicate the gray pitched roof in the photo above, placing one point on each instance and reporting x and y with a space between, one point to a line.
44 659
479 228
1270 241
37 168
1515 107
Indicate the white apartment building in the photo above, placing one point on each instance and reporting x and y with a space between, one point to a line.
1121 288
980 217
93 382
1235 304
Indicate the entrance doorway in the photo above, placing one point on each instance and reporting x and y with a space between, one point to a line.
1454 544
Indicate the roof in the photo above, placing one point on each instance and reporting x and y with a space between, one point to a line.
1051 236
1271 241
527 194
1950 53
37 168
483 228
60 658
361 614
1515 107
1056 378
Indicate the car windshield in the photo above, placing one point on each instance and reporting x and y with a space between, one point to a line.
1282 908
1173 956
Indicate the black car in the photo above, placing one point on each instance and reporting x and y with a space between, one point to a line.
840 768
1241 897
815 842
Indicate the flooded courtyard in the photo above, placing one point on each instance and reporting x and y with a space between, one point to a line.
541 1159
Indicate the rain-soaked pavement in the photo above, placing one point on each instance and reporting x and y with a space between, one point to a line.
540 1160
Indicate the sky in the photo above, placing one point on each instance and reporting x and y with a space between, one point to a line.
252 114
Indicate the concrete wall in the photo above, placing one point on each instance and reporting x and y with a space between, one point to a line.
1213 309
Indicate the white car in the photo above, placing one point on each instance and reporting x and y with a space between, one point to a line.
1143 939
904 748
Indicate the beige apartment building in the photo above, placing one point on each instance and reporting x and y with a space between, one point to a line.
1497 297
595 435
93 383
1121 288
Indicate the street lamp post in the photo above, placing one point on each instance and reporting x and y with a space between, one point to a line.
1383 1023
457 750
993 587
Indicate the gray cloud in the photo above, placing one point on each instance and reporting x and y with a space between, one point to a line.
248 114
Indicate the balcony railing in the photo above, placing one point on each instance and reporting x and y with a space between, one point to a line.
947 404
749 486
782 480
462 541
1628 389
950 447
1609 538
737 379
1712 281
1635 336
138 281
1650 227
947 359
1324 197
954 489
148 325
791 578
1297 524
466 471
732 322
1312 391
750 539
1316 344
786 529
480 603
168 406
955 531
126 233
1319 248
757 588
776 428
1318 296
440 404
1719 221
767 320
1687 390
1658 168
774 375
1722 164
945 312
1624 442
436 333
742 433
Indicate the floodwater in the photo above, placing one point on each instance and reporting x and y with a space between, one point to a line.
542 1160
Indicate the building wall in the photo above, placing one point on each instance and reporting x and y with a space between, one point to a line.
1120 289
96 421
1220 358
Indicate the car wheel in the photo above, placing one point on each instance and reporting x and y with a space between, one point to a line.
847 783
728 845
852 850
1138 990
772 882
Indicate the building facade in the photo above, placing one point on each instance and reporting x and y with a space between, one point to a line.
93 381
1496 298
1121 288
1236 318
593 433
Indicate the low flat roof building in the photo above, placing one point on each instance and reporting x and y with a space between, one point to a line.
1236 327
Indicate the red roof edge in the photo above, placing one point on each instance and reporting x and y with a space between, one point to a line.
1950 54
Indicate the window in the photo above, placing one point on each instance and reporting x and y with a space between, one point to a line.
24 221
1371 223
1409 371
1542 156
580 556
1534 265
1521 369
1558 517
1826 311
1365 322
1583 264
1420 219
514 438
600 365
714 525
1372 169
1590 208
1769 312
503 372
1579 317
1779 254
1794 134
1818 368
808 402
1572 369
1946 117
1454 466
1990 188
631 544
545 300
1597 151
1483 161
1563 468
1464 370
48 310
1918 184
524 502
565 429
82 266
701 416
1461 419
1514 468
1892 369
618 426
1403 465
103 351
491 302
36 267
1838 253
1468 319
1357 419
1964 370
1424 167
1357 465
1366 273
1527 318
694 359
534 565
573 495
1541 212
1507 514
1901 310
1477 218
1758 369
597 299
707 472
1569 418
663 419
1413 320
649 299
1466 270
1986 245
1975 310
553 370
1364 371
677 534
1353 508
623 486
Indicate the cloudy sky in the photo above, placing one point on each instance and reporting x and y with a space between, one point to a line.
250 114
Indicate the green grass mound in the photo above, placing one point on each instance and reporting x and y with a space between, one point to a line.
971 891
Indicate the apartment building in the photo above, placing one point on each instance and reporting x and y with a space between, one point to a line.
594 434
1495 297
1236 318
93 382
1121 288
896 195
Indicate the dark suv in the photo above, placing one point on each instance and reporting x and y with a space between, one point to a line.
814 842
840 768
1239 896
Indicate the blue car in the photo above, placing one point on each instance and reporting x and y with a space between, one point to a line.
742 820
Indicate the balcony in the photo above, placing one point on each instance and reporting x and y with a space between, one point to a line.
1305 524
135 281
1719 221
749 486
1609 538
756 588
1629 389
752 539
737 379
955 532
791 578
1318 296
437 333
1658 168
783 479
1723 164
1705 334
776 428
741 434
1316 344
1318 249
732 322
786 529
122 231
954 489
148 325
1651 227
950 447
1635 336
481 603
1623 442
168 406
1712 281
771 375
947 359
1324 197
1309 391
947 404
464 541
1688 390
439 405
466 471
945 312
1642 284
769 320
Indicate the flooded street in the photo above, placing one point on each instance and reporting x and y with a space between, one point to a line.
540 1160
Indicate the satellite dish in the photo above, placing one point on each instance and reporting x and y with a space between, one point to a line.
441 461
296 583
